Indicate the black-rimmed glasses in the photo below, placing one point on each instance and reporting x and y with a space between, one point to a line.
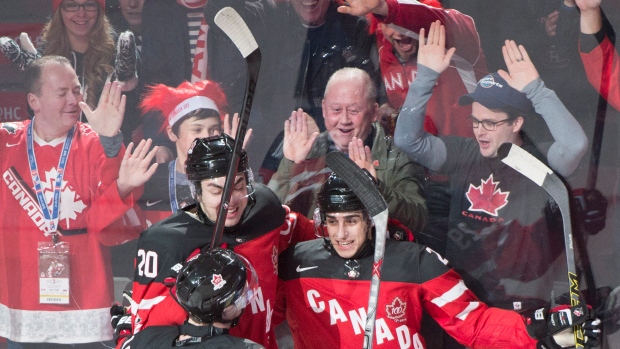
90 6
486 124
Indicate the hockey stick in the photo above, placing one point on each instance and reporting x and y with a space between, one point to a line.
532 168
233 25
366 190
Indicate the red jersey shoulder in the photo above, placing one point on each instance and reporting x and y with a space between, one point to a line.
12 128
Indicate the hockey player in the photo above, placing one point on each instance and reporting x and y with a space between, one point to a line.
326 282
257 226
214 288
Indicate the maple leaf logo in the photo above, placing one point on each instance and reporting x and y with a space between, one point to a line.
217 281
70 203
396 310
487 197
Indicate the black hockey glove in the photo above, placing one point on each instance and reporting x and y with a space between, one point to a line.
126 61
553 329
20 56
121 322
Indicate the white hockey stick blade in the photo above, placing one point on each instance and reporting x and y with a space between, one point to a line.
234 26
532 168
524 163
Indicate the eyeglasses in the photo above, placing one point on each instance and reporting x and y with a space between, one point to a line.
486 124
90 6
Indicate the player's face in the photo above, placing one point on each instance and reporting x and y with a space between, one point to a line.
192 128
79 23
132 12
212 194
56 107
347 232
405 46
348 113
311 12
505 132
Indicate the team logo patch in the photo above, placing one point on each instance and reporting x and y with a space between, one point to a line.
352 266
396 310
488 82
487 197
9 127
578 312
217 281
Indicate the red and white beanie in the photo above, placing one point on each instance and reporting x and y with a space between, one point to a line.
57 3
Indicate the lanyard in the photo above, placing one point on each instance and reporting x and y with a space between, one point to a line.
50 217
172 185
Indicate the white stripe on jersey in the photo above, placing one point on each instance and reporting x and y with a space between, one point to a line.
472 306
452 294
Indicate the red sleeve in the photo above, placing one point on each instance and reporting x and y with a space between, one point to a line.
112 229
602 67
460 29
468 320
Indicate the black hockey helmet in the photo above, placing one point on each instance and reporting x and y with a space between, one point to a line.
212 282
336 196
210 158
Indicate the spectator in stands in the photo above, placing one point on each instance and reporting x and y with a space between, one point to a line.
71 222
189 111
301 47
504 234
80 31
350 111
174 39
600 58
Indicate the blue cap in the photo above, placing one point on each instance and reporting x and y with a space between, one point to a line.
494 92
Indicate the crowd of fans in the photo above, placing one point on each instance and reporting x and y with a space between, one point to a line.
133 115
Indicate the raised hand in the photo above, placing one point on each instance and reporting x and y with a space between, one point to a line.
432 53
136 167
108 117
521 70
551 23
21 55
297 142
231 129
588 5
360 154
363 7
126 61
591 19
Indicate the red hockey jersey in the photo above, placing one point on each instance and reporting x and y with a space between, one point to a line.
325 298
89 204
267 229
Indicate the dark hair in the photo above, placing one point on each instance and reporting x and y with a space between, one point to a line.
199 114
32 74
